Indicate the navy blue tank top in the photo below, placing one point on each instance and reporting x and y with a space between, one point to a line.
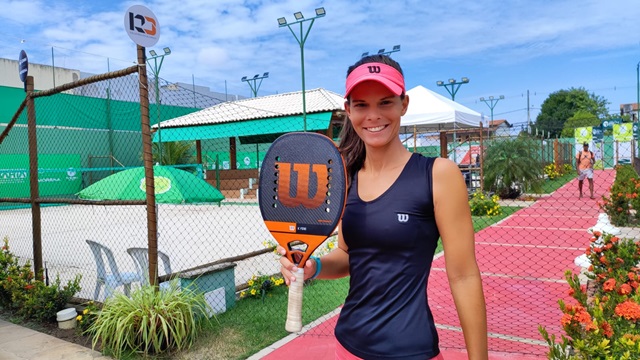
391 240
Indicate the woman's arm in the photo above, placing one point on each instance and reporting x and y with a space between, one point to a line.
334 265
453 218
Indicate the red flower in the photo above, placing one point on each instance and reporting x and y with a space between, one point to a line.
5 248
614 239
632 276
624 289
628 310
634 284
619 260
28 287
565 320
597 250
597 233
609 285
606 329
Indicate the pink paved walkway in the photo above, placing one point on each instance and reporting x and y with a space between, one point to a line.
522 259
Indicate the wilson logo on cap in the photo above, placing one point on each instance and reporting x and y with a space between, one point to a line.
374 69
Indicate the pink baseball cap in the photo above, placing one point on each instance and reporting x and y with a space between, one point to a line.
385 74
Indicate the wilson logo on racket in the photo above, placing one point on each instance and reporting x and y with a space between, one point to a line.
302 186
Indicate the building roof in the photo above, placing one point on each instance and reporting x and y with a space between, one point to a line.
496 123
264 107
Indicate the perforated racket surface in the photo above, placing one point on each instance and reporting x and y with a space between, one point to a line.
302 196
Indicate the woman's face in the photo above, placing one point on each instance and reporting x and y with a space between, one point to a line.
374 112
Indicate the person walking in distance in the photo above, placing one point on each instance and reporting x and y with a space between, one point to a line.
584 165
398 204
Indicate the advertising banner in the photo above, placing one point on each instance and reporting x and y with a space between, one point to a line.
58 174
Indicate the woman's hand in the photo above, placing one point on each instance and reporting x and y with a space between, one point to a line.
287 267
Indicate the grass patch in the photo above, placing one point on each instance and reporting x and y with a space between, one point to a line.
250 325
550 186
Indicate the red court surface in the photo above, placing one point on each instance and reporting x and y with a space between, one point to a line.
522 259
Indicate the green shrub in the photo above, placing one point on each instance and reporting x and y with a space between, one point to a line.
42 302
26 295
482 204
601 324
623 197
150 321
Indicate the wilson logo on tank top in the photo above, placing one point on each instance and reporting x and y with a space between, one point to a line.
403 218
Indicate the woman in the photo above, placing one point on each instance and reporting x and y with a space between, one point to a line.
398 205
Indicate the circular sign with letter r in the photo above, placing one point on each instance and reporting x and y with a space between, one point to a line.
142 26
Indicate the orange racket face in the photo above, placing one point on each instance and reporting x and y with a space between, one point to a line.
302 192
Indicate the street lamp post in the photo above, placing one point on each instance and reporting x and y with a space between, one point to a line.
491 103
155 69
301 39
638 92
253 82
396 48
454 85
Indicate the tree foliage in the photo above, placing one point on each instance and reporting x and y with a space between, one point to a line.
561 105
581 118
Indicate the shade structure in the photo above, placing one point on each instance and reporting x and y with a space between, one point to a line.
172 186
430 110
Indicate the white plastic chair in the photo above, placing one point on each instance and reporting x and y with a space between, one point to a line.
140 257
113 278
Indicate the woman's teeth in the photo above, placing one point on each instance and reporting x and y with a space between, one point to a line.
376 129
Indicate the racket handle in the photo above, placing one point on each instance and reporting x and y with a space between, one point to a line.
294 310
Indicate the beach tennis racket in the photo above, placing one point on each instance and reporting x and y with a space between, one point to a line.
302 196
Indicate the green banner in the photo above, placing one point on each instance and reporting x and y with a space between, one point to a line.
623 132
583 134
244 160
58 174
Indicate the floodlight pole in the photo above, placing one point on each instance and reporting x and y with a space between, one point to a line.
155 68
396 48
491 103
320 12
455 85
255 86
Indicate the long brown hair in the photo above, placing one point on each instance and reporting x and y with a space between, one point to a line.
351 146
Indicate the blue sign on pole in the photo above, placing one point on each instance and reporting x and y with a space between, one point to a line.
23 67
608 124
597 132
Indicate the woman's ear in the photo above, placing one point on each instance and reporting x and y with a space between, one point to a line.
405 104
347 108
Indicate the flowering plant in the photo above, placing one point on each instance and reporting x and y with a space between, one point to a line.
602 323
552 171
259 285
484 205
88 316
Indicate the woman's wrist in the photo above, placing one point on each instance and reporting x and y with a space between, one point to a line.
318 267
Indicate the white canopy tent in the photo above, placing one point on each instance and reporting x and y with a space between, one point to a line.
430 110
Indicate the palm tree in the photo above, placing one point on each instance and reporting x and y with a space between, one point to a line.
174 153
512 165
